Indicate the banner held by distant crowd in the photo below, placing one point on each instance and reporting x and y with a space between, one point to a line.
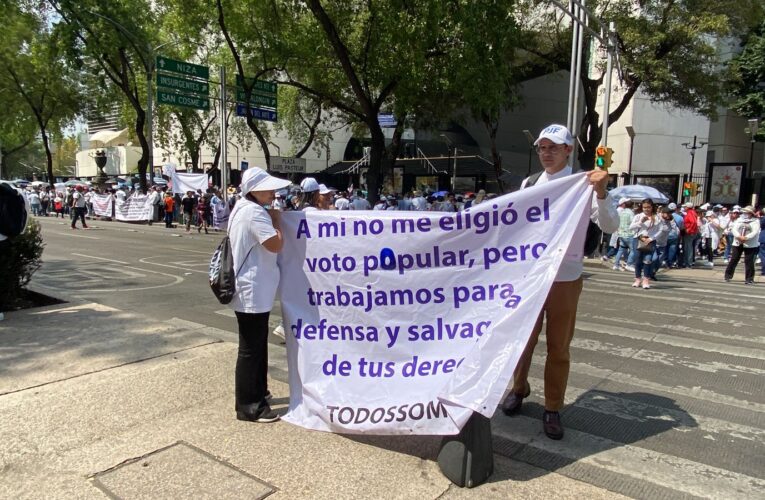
407 322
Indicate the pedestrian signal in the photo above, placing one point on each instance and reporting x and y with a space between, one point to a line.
687 189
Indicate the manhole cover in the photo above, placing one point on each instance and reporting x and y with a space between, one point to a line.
180 471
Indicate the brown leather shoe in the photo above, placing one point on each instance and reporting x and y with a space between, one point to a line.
552 424
512 403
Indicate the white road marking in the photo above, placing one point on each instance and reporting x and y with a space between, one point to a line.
76 235
675 473
146 261
226 312
193 251
99 258
143 272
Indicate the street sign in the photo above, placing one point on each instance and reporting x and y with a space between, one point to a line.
288 165
187 101
260 87
268 115
256 99
167 65
183 85
386 121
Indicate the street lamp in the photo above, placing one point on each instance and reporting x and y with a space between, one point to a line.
693 147
754 126
631 133
530 139
453 148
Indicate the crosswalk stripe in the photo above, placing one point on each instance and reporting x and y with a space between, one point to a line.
668 297
675 473
627 409
722 291
740 351
642 354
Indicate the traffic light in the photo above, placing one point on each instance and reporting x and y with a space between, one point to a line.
603 157
694 188
600 157
687 189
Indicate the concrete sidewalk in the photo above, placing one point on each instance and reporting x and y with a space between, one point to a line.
98 402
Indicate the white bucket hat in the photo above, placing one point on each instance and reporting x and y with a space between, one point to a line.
309 185
257 179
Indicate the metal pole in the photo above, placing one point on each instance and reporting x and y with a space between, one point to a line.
572 70
574 128
150 118
693 155
528 170
454 174
629 165
607 94
223 137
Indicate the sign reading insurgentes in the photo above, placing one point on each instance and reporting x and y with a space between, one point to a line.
180 83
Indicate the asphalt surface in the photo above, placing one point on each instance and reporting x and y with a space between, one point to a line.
665 396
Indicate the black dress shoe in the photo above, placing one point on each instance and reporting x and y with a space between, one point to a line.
552 425
512 403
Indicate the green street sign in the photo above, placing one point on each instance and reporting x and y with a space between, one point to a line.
183 85
167 65
186 101
260 87
256 100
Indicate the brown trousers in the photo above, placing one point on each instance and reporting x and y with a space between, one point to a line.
560 309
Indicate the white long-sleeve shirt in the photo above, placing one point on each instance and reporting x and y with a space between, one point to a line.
748 227
653 228
602 212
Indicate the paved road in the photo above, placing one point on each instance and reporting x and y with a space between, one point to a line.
665 395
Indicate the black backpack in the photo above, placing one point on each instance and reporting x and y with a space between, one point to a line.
221 273
13 211
594 233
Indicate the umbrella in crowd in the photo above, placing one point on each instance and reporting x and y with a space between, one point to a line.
638 192
75 182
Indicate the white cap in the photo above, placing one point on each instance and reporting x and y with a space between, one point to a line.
672 206
559 134
309 185
624 200
749 209
688 205
705 206
326 190
709 213
736 207
257 179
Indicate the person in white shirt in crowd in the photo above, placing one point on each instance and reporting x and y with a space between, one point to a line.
359 202
153 200
310 197
555 146
278 203
381 204
34 202
256 239
342 203
746 232
648 229
392 203
78 208
711 232
327 198
624 234
726 219
662 240
419 203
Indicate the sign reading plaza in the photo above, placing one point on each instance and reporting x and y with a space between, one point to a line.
263 98
181 83
288 165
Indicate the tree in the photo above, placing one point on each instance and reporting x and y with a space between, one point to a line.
747 78
119 50
667 50
32 68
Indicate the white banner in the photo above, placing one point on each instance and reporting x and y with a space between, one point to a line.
183 183
102 204
406 322
134 208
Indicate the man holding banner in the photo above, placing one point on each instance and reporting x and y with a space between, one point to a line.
555 146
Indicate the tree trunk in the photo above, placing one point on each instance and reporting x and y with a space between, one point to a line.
375 174
143 161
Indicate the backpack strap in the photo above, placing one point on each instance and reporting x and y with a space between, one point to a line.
533 179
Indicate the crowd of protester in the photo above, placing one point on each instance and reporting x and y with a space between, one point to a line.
681 237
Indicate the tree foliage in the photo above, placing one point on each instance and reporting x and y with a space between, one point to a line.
747 78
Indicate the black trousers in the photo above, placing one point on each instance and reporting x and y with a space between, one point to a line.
252 360
78 213
750 254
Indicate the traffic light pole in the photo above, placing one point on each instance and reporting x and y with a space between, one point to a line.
607 94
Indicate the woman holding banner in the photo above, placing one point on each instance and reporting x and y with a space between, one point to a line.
255 235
